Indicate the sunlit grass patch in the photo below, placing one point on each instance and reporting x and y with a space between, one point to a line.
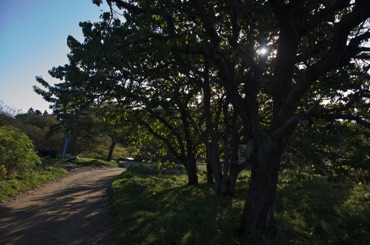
85 161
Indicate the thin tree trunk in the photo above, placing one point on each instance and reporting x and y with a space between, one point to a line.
226 166
214 162
233 176
231 152
72 144
234 170
111 148
211 134
209 168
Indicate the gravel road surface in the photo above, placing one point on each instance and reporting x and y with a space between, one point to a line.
71 210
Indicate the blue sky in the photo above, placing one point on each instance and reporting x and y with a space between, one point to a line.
33 35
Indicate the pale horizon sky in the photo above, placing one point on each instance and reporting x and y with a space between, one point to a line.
33 39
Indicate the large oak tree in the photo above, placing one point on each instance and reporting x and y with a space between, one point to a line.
280 64
299 60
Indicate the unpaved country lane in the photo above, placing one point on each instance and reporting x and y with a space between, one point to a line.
72 210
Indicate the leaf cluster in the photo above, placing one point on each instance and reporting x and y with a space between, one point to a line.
17 153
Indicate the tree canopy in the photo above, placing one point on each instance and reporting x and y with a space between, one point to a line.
225 73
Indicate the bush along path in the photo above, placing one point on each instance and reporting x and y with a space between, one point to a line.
71 210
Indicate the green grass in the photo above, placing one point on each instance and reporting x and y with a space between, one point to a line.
50 169
152 207
14 185
159 208
83 161
321 212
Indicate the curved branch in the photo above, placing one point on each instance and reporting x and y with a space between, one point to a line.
162 138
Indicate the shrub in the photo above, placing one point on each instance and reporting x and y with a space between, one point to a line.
17 153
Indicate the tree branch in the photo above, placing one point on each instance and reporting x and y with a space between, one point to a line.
336 116
135 9
333 57
162 138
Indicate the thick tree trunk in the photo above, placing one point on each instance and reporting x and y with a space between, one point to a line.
260 203
191 170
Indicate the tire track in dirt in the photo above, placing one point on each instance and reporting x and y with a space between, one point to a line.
71 210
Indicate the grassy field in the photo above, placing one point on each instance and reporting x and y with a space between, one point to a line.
152 207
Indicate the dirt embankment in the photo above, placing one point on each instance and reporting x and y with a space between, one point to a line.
71 210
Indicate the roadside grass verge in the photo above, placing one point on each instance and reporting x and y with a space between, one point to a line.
84 162
48 170
14 185
157 207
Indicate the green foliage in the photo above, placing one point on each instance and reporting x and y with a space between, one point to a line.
177 65
337 149
42 129
156 207
164 164
125 152
17 153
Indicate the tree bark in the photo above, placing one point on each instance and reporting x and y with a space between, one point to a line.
233 177
231 168
191 170
111 148
73 143
260 202
211 136
209 174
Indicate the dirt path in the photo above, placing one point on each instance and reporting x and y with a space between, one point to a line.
72 210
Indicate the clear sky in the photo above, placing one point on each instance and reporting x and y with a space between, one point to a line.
33 39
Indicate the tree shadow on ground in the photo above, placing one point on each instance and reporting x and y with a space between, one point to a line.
76 215
171 214
322 212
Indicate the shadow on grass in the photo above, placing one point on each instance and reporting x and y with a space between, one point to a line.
161 209
158 208
322 212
